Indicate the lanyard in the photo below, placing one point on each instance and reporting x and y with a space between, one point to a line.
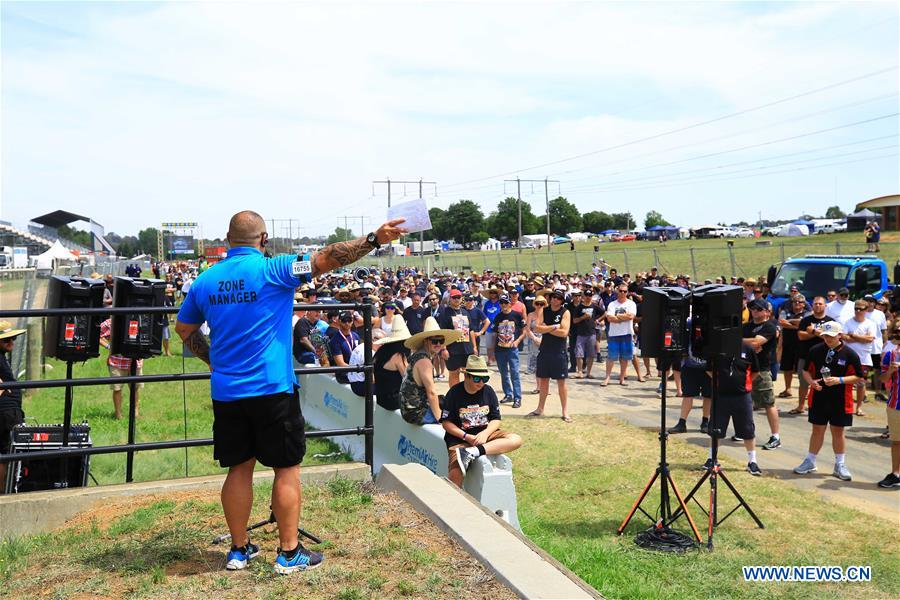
350 341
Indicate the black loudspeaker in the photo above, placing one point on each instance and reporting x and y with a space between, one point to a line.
716 320
664 315
73 338
26 475
138 335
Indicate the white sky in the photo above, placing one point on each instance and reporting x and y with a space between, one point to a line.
136 113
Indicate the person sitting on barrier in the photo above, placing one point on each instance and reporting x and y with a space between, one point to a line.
10 400
471 421
419 402
120 366
304 351
390 363
247 301
357 381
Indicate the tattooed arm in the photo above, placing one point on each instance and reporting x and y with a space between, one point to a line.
193 339
342 254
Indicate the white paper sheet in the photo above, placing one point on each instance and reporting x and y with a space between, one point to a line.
415 212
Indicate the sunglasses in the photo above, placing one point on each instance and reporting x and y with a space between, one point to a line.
480 378
436 340
860 309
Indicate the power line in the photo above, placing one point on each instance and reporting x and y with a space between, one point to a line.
684 128
652 187
722 137
733 164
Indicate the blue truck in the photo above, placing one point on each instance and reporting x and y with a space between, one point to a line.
815 274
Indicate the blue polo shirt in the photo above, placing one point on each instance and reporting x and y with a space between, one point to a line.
247 301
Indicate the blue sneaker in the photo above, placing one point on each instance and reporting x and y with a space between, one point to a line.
239 558
303 560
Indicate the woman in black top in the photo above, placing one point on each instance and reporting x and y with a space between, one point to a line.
390 363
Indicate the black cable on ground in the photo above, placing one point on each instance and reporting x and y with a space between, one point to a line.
664 539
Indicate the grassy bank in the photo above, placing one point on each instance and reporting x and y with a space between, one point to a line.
577 482
376 546
699 258
168 411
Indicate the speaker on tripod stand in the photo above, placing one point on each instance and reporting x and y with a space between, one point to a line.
716 336
664 336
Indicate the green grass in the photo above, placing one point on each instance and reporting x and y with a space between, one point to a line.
159 548
576 484
168 411
710 257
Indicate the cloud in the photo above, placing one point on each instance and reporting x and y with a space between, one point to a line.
196 110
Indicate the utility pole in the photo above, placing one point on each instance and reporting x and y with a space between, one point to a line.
388 181
546 183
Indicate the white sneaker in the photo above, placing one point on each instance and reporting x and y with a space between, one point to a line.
842 472
807 466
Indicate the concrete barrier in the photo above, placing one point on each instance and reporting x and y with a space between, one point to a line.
328 404
514 559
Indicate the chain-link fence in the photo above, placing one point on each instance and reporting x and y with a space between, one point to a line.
702 262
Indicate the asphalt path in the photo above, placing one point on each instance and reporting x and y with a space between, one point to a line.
867 456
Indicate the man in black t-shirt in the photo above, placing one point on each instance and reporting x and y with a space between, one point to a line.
832 371
471 421
808 336
455 316
304 351
760 333
735 382
789 318
414 315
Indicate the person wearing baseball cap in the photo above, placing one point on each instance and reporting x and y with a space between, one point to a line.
832 371
478 321
762 335
10 400
471 421
455 317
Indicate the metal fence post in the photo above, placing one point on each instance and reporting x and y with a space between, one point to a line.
693 264
837 247
625 260
655 258
782 251
577 267
33 353
369 388
132 413
731 258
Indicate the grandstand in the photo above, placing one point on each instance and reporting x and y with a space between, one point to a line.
11 236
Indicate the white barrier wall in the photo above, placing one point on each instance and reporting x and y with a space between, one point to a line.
328 404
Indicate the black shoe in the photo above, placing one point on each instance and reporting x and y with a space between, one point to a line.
517 404
679 428
704 427
506 400
773 443
891 481
754 469
735 438
707 466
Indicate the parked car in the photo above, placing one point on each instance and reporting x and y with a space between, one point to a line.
627 237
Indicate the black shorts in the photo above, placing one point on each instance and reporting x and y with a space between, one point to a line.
456 361
268 428
552 365
695 383
788 360
826 412
738 408
9 418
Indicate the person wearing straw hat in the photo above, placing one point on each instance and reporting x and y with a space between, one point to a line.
419 403
390 363
10 400
471 421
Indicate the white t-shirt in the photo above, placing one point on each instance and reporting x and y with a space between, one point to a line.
357 358
619 308
862 349
839 312
880 325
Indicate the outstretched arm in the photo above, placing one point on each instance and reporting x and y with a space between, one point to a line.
341 254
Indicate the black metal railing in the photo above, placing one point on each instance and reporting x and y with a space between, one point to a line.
367 429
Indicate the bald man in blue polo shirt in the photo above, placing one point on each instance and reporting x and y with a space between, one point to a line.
247 301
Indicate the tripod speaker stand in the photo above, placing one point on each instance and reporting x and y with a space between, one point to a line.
716 472
303 533
664 476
